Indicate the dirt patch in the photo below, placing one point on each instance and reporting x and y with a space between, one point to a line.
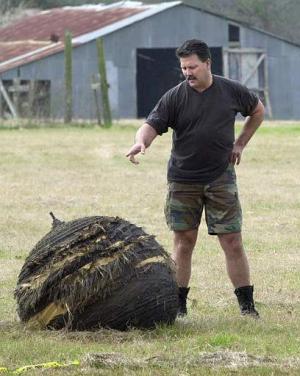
224 359
111 360
233 359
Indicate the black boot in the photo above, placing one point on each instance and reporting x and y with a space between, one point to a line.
182 296
245 298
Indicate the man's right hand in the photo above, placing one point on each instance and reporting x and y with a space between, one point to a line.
143 139
136 149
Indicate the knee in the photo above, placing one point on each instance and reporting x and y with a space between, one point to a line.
184 242
232 244
184 247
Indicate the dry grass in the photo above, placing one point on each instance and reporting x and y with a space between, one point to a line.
79 172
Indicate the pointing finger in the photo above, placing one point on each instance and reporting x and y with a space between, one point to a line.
133 160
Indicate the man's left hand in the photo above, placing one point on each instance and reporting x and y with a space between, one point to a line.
236 154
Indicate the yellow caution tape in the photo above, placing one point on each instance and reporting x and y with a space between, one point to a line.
20 370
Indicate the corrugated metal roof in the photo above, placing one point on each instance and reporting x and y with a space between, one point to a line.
77 21
13 49
30 55
150 11
29 39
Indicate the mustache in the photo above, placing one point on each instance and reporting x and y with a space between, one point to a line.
191 77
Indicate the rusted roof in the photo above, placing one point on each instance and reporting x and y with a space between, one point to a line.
77 20
13 49
42 34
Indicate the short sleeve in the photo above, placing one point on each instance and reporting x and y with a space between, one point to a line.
246 100
161 117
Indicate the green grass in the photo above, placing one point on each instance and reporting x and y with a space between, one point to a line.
81 171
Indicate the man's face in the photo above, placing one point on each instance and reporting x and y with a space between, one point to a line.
196 72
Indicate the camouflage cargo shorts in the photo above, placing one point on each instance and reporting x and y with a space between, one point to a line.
223 214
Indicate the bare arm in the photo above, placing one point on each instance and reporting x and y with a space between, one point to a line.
250 127
143 139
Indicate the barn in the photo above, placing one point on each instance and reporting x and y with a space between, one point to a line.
139 42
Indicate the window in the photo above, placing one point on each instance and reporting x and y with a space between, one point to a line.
233 33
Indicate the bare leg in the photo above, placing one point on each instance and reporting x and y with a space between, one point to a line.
184 243
236 259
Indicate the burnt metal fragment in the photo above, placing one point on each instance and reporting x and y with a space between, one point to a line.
97 272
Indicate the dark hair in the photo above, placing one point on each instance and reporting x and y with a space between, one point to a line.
194 47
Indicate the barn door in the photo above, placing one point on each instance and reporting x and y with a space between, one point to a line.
158 71
249 66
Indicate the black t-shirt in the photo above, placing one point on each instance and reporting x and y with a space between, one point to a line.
203 127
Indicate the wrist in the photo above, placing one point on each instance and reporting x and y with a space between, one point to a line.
240 143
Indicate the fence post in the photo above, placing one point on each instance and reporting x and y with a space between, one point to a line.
68 78
104 84
95 88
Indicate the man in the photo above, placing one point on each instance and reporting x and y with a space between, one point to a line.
201 111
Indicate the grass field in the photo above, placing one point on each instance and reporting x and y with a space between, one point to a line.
78 172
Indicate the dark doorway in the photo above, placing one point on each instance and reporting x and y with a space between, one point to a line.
158 71
217 60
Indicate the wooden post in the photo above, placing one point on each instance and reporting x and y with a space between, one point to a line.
68 78
16 95
266 89
31 96
104 84
95 88
1 105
